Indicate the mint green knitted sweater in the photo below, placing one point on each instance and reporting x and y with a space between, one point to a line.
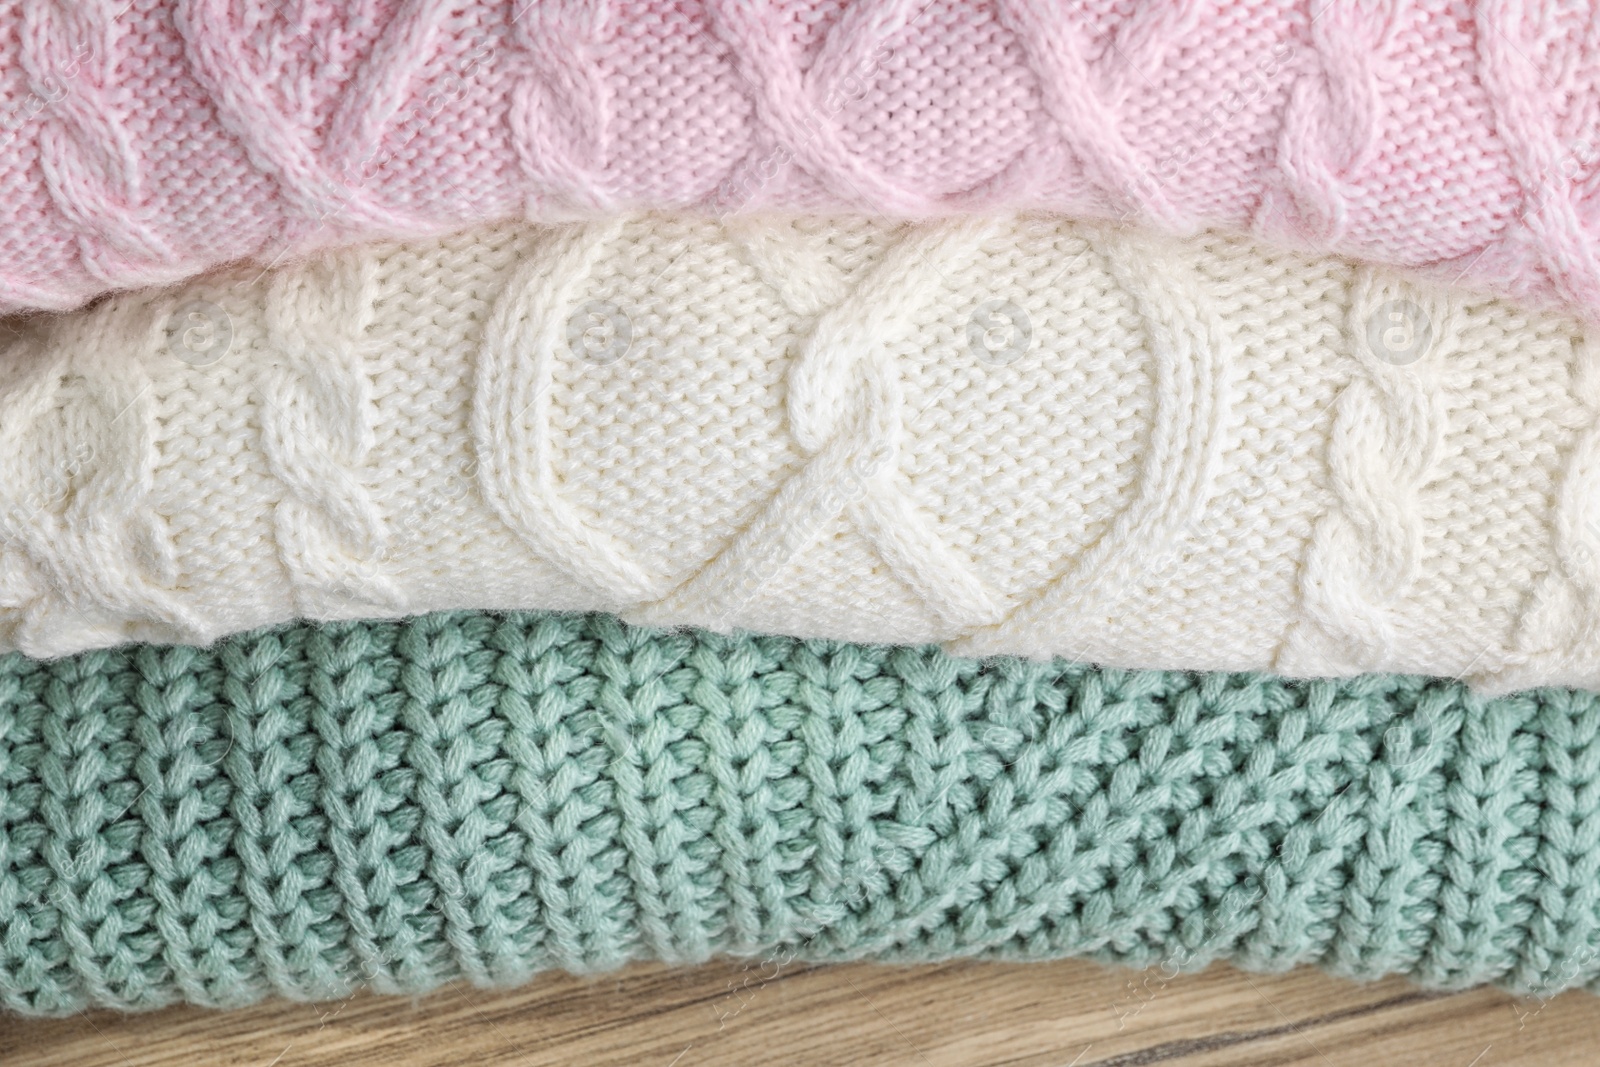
304 811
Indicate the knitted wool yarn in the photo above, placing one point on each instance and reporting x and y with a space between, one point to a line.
143 140
1018 436
398 805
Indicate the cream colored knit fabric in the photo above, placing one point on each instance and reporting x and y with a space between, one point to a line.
1025 436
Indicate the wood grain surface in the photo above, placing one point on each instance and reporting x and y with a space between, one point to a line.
1069 1014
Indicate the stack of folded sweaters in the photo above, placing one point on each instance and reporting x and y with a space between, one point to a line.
489 486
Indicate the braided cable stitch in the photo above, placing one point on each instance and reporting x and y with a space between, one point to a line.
287 127
262 103
1154 451
86 154
316 421
1331 122
1388 434
562 99
83 554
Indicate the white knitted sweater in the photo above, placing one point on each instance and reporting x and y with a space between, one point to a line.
1024 436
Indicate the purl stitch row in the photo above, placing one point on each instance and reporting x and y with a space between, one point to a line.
1013 435
1453 138
312 810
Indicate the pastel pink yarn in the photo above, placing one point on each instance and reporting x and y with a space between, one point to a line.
141 142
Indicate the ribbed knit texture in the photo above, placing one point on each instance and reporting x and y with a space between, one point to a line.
397 805
142 140
1014 435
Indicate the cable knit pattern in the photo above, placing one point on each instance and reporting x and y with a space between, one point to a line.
1388 432
1510 41
1453 139
316 430
1083 96
512 424
396 806
85 154
561 109
1192 356
1020 435
237 54
1331 122
85 557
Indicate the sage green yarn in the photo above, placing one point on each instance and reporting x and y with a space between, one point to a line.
305 811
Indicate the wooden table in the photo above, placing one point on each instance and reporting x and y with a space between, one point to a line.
1059 1014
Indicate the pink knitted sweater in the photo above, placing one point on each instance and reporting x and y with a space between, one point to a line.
143 140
